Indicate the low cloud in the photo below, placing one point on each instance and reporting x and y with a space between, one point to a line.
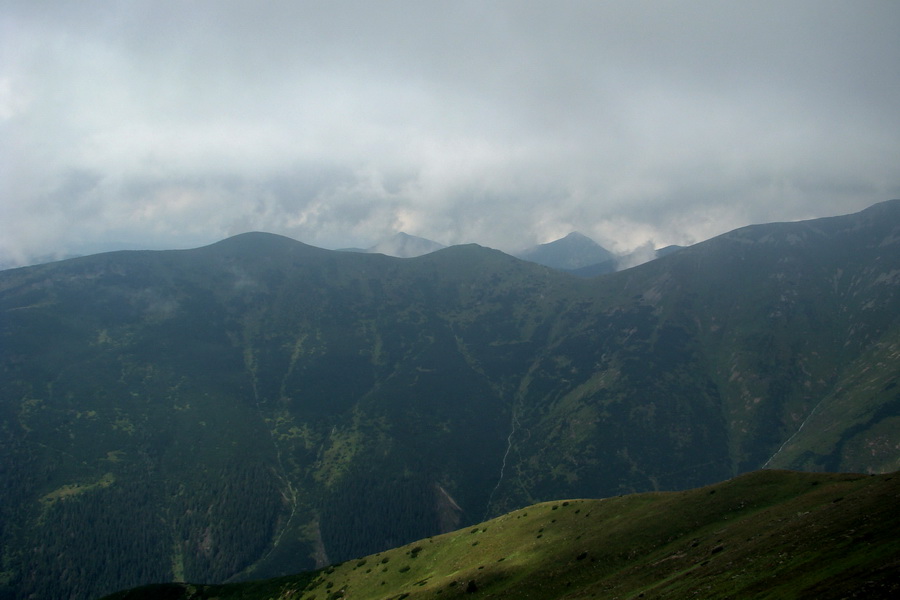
506 123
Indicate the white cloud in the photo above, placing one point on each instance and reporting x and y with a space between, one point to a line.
504 123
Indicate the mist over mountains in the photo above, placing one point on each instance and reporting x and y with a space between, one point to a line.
575 253
401 245
260 406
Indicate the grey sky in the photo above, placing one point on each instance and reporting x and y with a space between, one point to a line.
174 124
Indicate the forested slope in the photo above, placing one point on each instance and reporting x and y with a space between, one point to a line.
272 407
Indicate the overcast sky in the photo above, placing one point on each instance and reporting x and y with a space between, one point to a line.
338 123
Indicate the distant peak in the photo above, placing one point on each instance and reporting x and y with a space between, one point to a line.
574 237
575 251
259 235
404 245
260 242
256 237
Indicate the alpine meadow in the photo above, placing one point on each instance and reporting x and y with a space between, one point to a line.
260 407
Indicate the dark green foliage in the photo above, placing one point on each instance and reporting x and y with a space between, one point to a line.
283 407
771 534
119 526
372 513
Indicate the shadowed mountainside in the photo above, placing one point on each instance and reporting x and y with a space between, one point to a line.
769 534
259 406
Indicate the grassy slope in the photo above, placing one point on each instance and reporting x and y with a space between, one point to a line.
865 401
768 534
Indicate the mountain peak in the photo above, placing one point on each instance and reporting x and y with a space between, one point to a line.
574 251
404 245
260 243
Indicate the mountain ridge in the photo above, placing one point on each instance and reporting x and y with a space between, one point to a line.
345 397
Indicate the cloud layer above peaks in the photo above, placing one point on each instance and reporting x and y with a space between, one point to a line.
173 124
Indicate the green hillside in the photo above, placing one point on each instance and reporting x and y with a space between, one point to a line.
769 534
259 407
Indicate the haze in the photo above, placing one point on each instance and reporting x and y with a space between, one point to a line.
175 124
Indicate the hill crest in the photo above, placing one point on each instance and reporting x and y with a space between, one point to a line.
780 533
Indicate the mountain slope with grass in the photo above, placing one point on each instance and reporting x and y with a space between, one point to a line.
259 407
768 534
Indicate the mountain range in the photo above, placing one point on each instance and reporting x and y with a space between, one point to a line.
258 407
580 255
575 253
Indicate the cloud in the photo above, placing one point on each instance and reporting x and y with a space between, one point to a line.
504 123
